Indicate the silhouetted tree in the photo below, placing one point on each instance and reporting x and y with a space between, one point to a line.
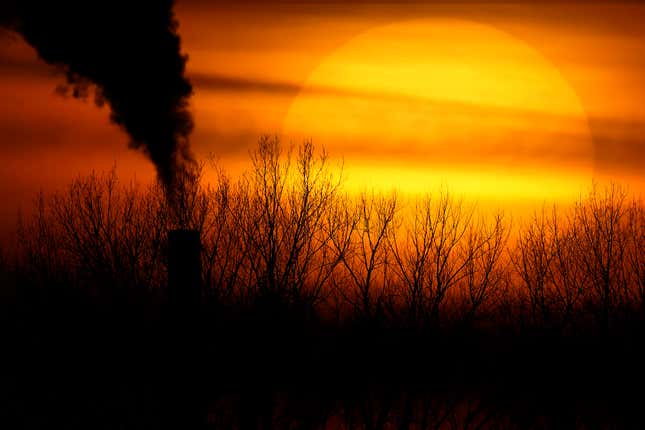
433 257
285 221
365 260
599 222
486 267
635 252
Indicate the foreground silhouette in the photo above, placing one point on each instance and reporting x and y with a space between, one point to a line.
319 310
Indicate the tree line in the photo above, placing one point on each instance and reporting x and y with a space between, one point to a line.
287 233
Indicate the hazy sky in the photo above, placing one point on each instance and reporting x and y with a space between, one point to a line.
482 96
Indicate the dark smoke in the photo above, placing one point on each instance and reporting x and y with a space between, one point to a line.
129 51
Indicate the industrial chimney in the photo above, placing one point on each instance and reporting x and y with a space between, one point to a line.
186 408
184 269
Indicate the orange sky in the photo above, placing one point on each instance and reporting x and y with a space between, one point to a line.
508 101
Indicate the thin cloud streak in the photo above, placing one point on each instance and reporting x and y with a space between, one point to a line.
224 83
618 142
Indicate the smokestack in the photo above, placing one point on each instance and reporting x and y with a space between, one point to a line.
184 269
186 409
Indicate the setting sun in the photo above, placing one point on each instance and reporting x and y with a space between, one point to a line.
423 103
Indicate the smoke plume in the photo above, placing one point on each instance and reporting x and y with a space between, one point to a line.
129 52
